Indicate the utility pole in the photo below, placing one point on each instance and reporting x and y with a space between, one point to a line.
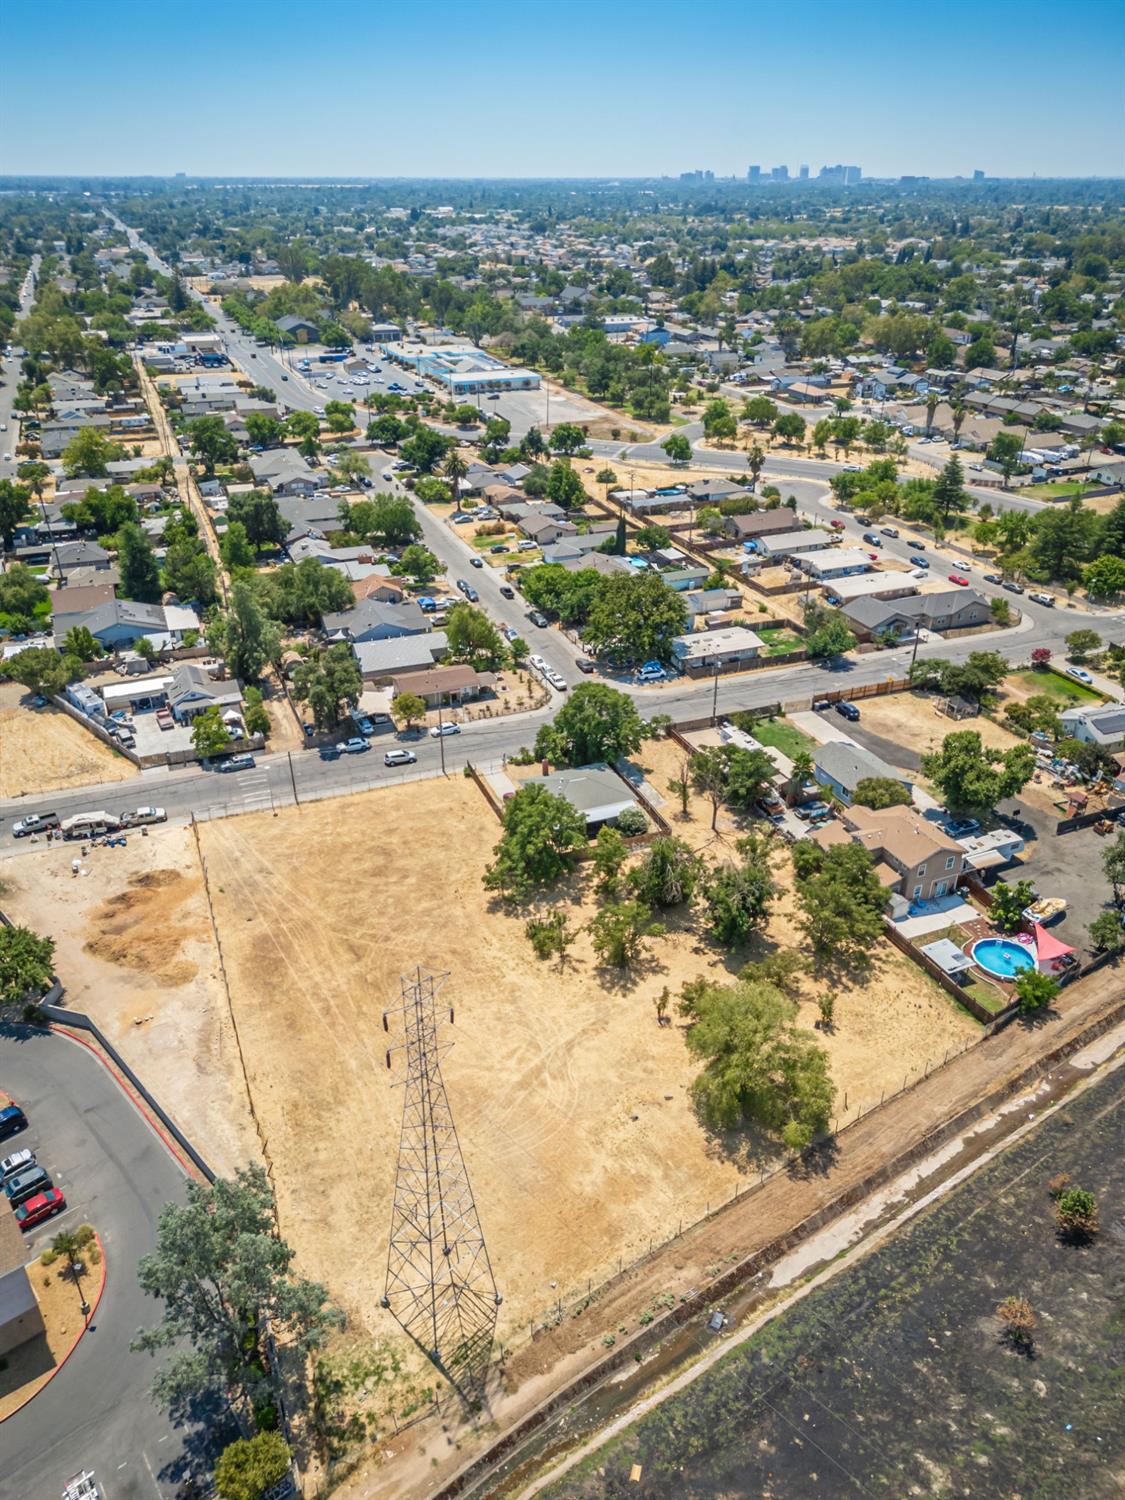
440 1287
441 737
715 698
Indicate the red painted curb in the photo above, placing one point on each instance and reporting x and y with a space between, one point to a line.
78 1339
190 1170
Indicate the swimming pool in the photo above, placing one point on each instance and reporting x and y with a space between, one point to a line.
1003 956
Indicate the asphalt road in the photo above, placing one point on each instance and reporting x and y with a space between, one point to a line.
9 380
117 1174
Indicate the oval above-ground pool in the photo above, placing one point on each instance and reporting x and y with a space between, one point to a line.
1003 957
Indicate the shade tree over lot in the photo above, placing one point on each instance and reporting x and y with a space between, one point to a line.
243 634
25 965
221 1270
759 1067
729 774
137 567
620 933
211 442
330 682
842 901
881 791
41 669
635 619
259 514
974 779
597 723
473 638
541 832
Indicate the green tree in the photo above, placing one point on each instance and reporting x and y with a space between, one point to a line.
1113 862
568 437
14 501
949 489
1076 1213
1035 991
221 1269
79 642
829 640
881 791
973 779
759 1067
737 899
235 548
610 853
425 449
1008 903
25 965
409 708
790 427
419 563
392 521
263 430
597 723
1107 935
1105 577
137 566
88 452
386 430
842 901
330 682
635 619
23 598
677 447
209 735
620 933
1005 450
718 421
243 636
759 410
211 443
248 1467
260 517
1081 644
339 415
541 832
549 935
302 424
473 638
564 487
667 875
256 718
41 669
755 461
189 572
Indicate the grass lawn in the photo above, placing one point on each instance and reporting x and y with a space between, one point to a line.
1055 685
985 994
782 736
779 641
1061 489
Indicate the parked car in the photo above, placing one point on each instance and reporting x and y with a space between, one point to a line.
329 752
12 1121
872 540
1042 598
507 591
1013 587
810 812
43 1206
356 745
164 718
236 763
140 815
26 1184
443 731
34 823
498 547
847 711
471 595
1079 674
820 705
959 579
538 619
475 562
962 828
584 664
557 681
363 724
399 758
19 1161
651 674
994 578
463 585
889 530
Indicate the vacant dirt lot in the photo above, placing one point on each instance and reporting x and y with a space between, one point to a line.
134 950
42 750
570 1101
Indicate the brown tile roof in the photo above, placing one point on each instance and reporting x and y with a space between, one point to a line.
902 833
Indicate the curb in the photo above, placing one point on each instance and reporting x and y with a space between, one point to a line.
78 1339
137 1102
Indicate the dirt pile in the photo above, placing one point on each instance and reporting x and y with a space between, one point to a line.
142 928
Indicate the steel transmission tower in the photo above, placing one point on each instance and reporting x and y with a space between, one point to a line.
440 1286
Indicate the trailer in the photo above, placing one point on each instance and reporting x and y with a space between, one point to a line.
82 1487
89 825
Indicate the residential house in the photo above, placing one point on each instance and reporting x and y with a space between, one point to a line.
374 621
66 556
383 661
711 491
834 562
547 529
193 691
285 472
711 649
785 544
78 599
1100 724
598 793
759 523
914 859
122 622
952 609
297 328
440 685
841 766
707 605
374 585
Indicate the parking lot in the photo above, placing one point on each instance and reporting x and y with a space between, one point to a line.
117 1173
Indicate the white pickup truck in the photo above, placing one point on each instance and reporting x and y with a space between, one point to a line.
138 815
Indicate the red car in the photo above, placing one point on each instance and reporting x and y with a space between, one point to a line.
42 1206
959 578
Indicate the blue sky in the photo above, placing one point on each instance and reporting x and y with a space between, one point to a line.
434 88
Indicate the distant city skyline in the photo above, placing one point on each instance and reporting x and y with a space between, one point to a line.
430 92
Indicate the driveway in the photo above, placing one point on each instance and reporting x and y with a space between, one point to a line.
117 1173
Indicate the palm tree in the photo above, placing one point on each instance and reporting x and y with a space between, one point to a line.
932 399
802 770
455 468
755 458
959 414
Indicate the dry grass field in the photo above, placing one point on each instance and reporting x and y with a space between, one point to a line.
134 950
571 1102
42 750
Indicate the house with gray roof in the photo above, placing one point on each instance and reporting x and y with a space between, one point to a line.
380 661
841 766
597 792
285 472
952 609
193 691
371 620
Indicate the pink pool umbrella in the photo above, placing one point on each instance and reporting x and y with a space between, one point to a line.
1049 951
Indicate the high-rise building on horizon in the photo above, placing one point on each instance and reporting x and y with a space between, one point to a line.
803 174
839 175
754 175
978 175
780 174
699 175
